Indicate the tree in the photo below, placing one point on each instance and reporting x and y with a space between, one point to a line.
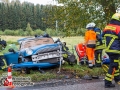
5 1
77 13
29 29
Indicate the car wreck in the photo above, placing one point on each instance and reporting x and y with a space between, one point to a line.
41 52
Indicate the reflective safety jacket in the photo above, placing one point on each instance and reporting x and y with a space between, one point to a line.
99 44
90 38
111 34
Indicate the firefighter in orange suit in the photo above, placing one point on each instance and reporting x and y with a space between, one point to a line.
90 42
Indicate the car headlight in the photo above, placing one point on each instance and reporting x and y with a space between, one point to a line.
29 51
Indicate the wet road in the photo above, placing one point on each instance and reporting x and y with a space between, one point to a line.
81 86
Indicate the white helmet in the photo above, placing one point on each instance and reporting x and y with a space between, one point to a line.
118 10
56 40
90 25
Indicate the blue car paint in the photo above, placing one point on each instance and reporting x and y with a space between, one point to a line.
31 65
11 58
36 48
23 39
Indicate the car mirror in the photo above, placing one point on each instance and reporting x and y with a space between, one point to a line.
11 50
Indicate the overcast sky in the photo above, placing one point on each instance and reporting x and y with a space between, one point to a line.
44 2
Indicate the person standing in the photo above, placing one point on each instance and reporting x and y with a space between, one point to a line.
90 42
111 35
3 64
99 47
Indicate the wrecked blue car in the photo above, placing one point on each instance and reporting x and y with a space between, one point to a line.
41 52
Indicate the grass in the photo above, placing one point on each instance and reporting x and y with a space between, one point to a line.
78 70
81 70
36 75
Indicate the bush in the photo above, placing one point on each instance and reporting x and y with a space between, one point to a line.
1 33
38 32
19 32
81 31
9 32
51 32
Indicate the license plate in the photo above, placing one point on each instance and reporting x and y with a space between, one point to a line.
45 56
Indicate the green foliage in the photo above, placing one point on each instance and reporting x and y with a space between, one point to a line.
20 32
38 32
12 42
1 33
37 76
29 29
81 32
8 47
71 16
40 77
9 32
51 32
81 70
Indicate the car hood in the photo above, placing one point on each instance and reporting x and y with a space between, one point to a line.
39 49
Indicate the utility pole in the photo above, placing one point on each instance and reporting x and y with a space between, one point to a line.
56 27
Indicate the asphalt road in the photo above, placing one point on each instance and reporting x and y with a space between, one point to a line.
81 86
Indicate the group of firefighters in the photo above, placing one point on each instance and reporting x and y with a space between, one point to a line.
108 40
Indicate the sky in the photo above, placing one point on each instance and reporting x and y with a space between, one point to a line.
44 2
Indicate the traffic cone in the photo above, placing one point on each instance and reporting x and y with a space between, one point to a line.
6 82
9 78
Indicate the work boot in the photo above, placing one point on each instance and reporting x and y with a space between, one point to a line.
118 82
109 86
82 62
91 67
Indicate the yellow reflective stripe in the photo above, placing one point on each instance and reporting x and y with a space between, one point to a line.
110 43
110 27
98 61
3 67
100 47
97 32
99 57
110 35
113 51
97 43
116 74
64 55
104 42
109 79
116 71
116 60
108 75
5 63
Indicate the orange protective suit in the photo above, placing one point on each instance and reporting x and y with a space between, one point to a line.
90 42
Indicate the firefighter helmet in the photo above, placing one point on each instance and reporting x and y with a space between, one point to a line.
116 16
90 25
118 10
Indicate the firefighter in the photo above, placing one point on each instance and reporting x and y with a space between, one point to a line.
111 34
3 64
99 47
90 42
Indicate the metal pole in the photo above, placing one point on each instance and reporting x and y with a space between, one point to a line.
56 27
